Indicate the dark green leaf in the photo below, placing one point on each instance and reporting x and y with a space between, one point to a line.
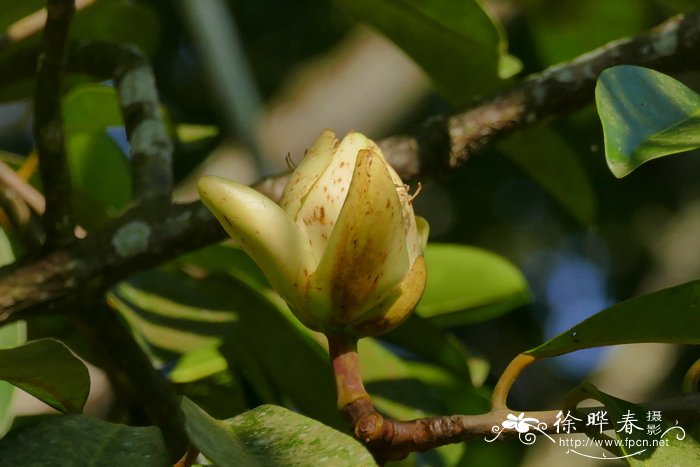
13 11
563 30
468 284
174 312
645 115
669 315
77 440
679 448
456 43
277 436
548 160
436 345
214 439
46 369
179 313
119 21
406 390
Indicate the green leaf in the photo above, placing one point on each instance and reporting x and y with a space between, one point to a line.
460 47
563 30
214 439
11 335
277 436
407 390
46 369
420 336
197 364
679 448
91 107
468 284
174 312
547 159
77 440
670 315
645 115
100 176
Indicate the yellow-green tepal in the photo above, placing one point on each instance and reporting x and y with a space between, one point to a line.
343 248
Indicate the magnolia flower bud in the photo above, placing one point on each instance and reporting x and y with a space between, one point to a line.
343 248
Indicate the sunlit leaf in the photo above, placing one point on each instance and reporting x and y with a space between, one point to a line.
549 160
91 107
11 335
460 47
46 369
100 176
197 364
78 440
468 284
670 315
645 115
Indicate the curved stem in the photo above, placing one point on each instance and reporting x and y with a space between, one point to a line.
346 369
499 398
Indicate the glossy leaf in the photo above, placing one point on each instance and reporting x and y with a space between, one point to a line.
460 30
214 439
468 284
645 115
46 369
270 435
277 436
670 315
679 447
547 159
78 440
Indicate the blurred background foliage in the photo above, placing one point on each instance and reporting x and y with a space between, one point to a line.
553 237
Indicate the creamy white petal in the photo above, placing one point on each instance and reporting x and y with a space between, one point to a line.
314 164
366 255
264 231
321 206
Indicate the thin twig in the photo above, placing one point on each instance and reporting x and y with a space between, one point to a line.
29 194
48 123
